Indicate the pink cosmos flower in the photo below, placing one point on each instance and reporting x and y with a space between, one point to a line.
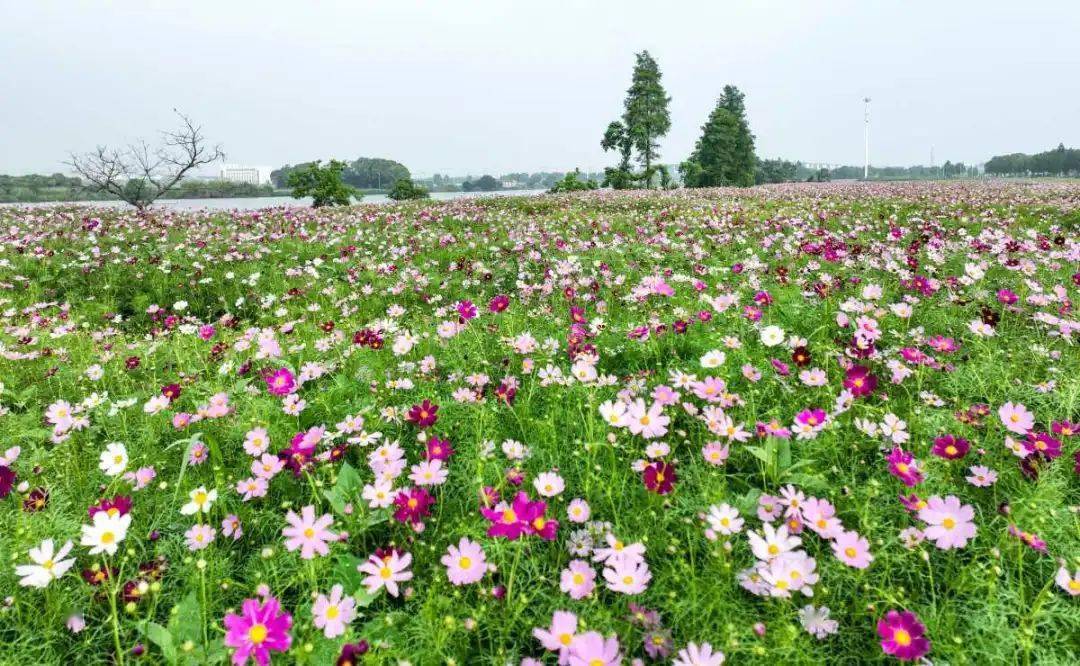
592 649
649 423
559 637
231 527
982 476
578 511
852 549
465 563
627 577
259 629
308 533
698 655
949 522
950 447
1069 583
199 537
386 572
578 579
334 613
1016 418
715 453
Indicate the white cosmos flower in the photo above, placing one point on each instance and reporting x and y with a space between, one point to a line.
48 565
713 359
106 532
772 336
201 500
114 459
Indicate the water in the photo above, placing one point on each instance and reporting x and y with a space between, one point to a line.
252 203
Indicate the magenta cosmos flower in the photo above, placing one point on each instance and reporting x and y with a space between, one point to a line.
902 635
308 533
281 382
423 415
903 466
522 516
950 447
257 631
860 381
413 504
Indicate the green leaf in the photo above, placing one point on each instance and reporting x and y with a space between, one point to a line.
161 637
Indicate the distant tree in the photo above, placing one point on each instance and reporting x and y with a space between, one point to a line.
572 183
645 115
323 184
775 171
616 137
404 189
139 174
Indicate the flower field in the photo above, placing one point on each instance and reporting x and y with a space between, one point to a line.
831 423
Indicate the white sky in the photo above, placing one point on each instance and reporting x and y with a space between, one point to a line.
492 87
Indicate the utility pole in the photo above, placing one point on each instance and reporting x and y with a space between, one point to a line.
866 136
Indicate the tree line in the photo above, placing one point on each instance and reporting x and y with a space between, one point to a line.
1060 161
363 173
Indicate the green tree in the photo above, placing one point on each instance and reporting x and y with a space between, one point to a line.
323 184
617 138
713 161
724 155
645 115
404 189
572 183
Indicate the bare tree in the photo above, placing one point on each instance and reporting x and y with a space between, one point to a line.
139 174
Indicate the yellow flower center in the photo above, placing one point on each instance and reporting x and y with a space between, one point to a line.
385 573
566 639
627 580
509 516
47 564
309 533
948 523
774 549
901 637
257 633
850 552
108 537
580 579
332 612
465 563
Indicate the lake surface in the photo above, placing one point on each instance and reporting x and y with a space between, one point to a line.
252 203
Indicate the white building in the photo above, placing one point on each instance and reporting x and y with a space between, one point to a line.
235 173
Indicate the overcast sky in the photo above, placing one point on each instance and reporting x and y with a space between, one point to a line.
476 87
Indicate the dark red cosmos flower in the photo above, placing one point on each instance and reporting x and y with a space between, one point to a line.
801 357
412 505
660 477
171 391
7 480
97 576
499 303
439 449
297 457
423 415
36 500
132 362
950 447
117 506
860 381
351 653
506 393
